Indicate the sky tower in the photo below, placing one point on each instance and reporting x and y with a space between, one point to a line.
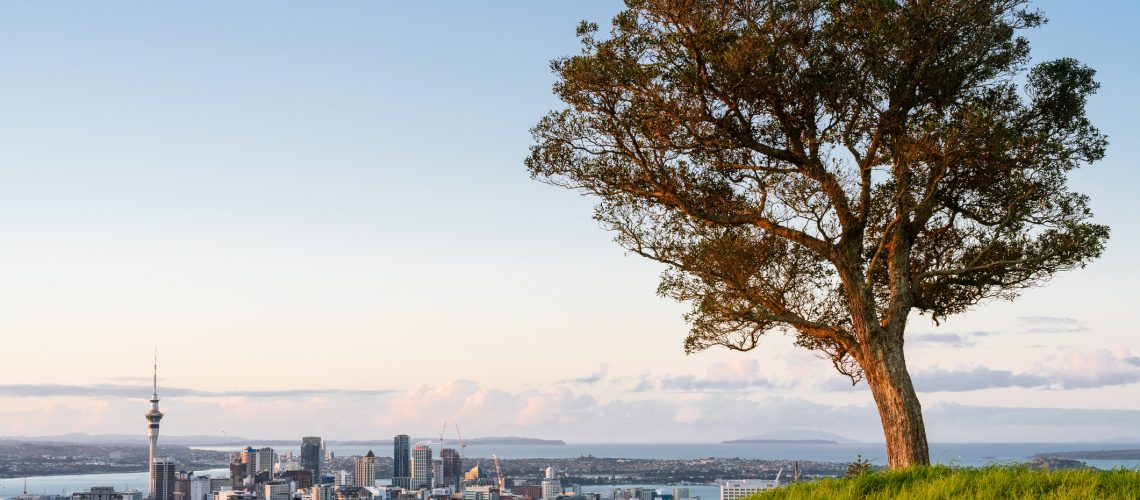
152 417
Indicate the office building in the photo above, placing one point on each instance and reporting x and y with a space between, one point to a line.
740 488
551 486
277 490
98 493
365 470
264 460
402 461
451 475
311 456
162 479
481 493
303 479
422 466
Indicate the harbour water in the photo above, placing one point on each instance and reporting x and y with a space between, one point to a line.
966 454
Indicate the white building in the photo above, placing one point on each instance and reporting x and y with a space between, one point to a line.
199 488
551 486
735 489
277 490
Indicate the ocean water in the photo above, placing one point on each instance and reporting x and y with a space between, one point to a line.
968 454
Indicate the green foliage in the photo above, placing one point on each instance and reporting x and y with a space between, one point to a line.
858 467
950 482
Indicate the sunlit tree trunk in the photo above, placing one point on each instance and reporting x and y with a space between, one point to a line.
899 408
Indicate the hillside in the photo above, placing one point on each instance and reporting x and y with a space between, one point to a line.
989 482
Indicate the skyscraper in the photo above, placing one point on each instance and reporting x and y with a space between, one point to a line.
311 456
162 479
153 416
452 468
365 470
421 466
265 460
402 461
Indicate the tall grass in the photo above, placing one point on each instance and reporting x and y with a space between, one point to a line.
952 482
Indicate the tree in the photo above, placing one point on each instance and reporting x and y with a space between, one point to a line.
825 168
859 467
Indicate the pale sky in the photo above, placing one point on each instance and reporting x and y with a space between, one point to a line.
319 215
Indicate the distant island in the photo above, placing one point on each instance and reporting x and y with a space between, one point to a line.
793 436
1133 454
779 441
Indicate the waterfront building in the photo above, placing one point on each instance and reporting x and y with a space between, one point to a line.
311 456
132 494
402 461
740 488
365 470
98 493
162 479
422 466
153 417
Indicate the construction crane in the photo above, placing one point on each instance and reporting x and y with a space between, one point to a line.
462 444
462 453
499 473
441 431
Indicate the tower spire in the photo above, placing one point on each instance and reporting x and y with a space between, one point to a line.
153 416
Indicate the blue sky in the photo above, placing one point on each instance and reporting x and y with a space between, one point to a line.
293 195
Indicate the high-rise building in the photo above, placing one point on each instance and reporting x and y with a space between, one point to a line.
452 468
422 466
162 479
311 456
264 460
365 470
551 486
402 461
277 490
153 416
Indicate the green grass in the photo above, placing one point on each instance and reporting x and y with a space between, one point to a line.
961 482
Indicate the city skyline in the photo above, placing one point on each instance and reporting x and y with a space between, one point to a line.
322 212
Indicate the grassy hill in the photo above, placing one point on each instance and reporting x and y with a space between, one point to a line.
951 482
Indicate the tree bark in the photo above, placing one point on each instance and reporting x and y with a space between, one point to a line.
884 367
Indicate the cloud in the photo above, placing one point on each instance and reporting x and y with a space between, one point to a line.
737 374
1052 324
980 377
1080 370
138 391
592 378
947 339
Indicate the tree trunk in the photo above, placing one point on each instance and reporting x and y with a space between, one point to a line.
884 367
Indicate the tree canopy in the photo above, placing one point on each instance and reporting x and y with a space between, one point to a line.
826 167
